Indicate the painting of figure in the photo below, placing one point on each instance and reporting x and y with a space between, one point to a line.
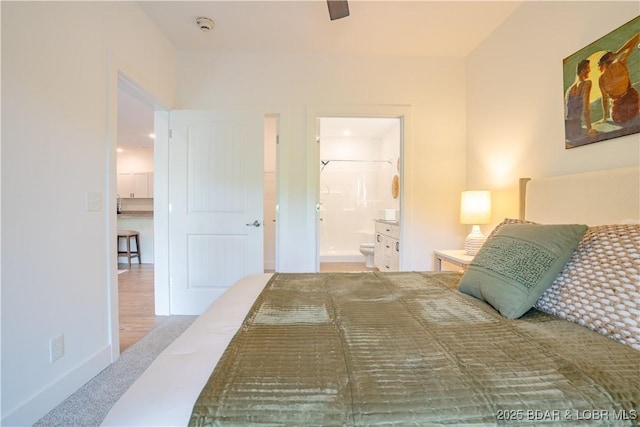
601 88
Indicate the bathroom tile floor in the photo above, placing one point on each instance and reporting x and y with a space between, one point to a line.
334 267
344 266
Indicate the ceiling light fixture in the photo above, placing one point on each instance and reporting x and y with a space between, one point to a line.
205 24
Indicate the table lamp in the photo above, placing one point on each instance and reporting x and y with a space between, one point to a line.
475 209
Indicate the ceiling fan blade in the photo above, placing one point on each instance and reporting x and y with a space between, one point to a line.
338 9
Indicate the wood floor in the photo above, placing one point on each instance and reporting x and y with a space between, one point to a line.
135 296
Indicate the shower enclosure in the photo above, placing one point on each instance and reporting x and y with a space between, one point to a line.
357 170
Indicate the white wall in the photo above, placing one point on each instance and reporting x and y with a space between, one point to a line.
431 89
60 62
391 150
515 125
135 160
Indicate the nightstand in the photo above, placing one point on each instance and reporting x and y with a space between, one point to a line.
457 257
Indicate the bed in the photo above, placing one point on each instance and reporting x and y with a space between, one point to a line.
427 348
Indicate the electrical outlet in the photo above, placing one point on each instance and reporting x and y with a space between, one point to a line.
56 348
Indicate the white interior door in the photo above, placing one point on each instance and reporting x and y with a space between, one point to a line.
216 204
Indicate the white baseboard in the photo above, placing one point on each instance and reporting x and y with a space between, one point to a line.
56 392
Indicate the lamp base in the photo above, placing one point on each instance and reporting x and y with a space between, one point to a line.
474 241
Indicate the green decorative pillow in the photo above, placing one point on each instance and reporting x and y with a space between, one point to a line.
518 263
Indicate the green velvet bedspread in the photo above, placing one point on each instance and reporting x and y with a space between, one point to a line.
364 349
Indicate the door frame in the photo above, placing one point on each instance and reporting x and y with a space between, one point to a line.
118 79
314 113
161 285
275 164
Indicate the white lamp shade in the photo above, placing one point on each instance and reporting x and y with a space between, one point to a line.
475 207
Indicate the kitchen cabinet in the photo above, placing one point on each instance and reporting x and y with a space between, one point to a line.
386 254
138 185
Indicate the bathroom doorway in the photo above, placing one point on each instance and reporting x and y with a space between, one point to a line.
359 176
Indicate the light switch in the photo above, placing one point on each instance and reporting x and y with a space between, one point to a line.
94 201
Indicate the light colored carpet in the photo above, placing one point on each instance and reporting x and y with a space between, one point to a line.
122 271
90 404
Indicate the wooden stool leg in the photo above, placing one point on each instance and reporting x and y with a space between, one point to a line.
138 249
129 251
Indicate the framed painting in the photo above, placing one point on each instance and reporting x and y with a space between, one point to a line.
601 85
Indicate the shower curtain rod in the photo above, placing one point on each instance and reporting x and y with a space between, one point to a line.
326 162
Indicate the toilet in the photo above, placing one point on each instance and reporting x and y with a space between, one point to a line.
366 249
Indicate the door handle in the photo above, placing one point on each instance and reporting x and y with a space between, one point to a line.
255 223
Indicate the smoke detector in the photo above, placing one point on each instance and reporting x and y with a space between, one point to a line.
205 24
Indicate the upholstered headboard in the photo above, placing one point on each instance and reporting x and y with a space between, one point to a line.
610 196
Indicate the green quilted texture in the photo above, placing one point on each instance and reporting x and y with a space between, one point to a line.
517 260
515 266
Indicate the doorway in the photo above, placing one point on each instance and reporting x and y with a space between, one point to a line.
359 175
134 211
270 205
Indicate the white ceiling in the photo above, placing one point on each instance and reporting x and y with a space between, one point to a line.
135 120
415 28
357 127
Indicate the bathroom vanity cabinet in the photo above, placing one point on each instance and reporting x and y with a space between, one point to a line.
386 254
